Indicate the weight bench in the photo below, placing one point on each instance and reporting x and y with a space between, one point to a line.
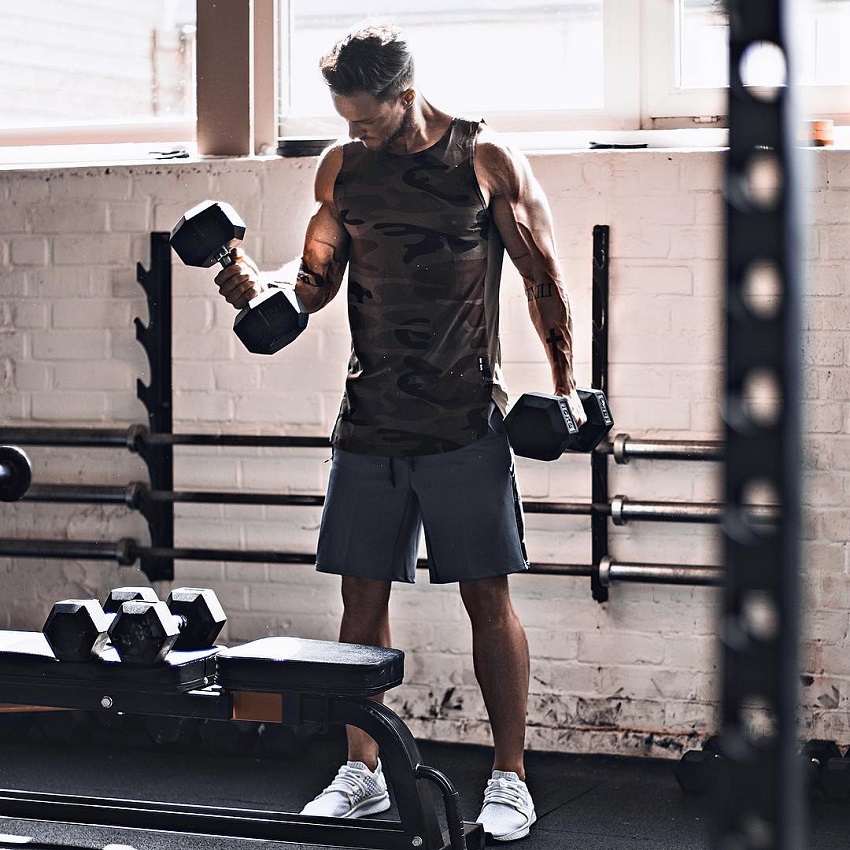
273 680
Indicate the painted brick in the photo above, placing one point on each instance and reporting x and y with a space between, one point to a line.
64 344
130 217
28 376
26 188
94 183
73 406
103 249
28 251
96 376
625 662
15 218
25 314
70 217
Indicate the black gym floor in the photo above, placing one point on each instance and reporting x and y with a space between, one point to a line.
583 802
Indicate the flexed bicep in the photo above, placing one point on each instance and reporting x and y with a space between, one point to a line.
326 243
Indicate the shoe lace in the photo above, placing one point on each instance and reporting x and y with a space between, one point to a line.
505 792
348 781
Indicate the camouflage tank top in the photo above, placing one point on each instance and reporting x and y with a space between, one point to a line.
423 299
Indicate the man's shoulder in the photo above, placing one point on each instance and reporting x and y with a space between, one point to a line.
495 159
328 168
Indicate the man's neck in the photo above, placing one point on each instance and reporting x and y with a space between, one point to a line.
426 128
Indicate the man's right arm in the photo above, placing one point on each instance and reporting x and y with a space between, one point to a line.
326 243
318 275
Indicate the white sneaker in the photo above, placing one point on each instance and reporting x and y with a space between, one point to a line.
508 811
354 792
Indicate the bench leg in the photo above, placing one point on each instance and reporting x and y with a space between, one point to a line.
408 775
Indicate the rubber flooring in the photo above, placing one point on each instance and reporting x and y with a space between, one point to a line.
583 802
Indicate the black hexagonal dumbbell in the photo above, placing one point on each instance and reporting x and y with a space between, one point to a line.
143 633
205 236
825 769
77 629
699 771
540 425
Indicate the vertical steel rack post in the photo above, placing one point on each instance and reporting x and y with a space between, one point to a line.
762 799
155 338
599 377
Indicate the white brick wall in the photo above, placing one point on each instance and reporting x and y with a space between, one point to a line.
638 674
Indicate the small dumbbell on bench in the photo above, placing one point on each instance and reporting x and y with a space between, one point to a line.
143 633
205 236
77 629
540 425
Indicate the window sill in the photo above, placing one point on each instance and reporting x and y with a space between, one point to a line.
583 140
23 157
26 157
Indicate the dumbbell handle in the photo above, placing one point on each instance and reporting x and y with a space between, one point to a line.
225 258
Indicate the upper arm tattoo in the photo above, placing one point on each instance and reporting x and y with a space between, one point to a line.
310 278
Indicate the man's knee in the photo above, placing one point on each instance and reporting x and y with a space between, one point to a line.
365 595
487 600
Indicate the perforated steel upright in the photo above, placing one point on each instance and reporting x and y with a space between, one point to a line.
762 803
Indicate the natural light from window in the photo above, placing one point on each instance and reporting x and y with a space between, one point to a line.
471 57
822 53
97 62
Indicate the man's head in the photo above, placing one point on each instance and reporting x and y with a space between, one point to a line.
370 75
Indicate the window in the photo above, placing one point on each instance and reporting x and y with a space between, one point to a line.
502 60
108 71
595 64
692 48
97 63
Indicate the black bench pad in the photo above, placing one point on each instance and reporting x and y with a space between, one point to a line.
27 655
283 664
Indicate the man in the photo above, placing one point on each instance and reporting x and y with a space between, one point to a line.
419 206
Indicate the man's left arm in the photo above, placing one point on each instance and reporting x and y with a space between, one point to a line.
523 218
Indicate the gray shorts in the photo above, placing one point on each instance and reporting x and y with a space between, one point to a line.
466 500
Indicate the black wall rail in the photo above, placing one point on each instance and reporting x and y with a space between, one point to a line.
621 509
126 552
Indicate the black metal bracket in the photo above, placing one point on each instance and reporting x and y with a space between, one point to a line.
599 377
155 338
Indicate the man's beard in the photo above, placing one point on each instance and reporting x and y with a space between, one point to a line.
403 126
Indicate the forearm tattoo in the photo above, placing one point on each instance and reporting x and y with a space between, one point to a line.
552 340
310 278
539 290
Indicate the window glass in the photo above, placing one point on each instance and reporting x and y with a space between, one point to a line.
77 61
471 56
822 55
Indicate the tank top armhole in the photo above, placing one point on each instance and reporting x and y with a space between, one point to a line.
473 149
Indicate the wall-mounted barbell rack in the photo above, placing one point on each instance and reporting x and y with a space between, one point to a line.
155 444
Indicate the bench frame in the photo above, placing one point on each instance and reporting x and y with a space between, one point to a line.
418 825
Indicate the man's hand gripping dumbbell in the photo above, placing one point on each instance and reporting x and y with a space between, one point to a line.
271 316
